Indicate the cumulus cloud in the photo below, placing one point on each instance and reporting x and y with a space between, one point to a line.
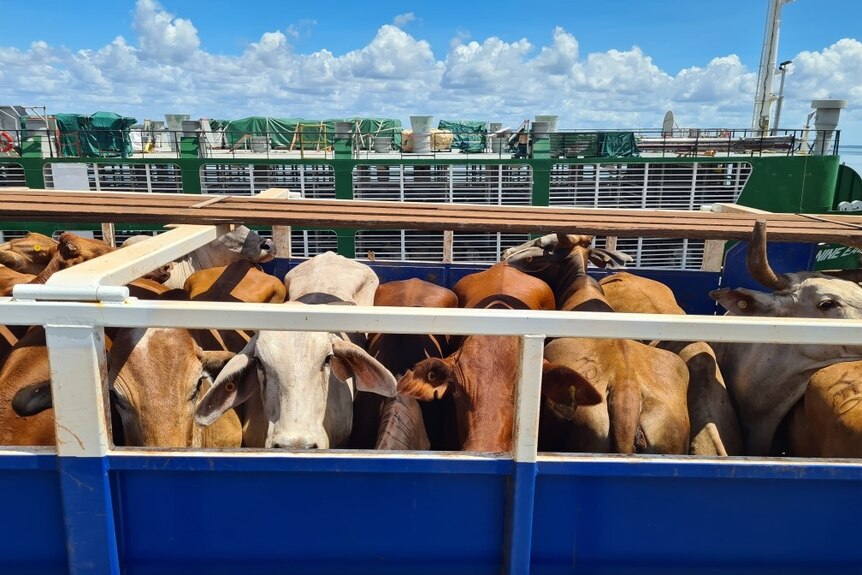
163 69
161 35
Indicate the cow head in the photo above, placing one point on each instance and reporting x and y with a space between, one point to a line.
239 244
156 377
29 254
75 249
306 381
536 256
800 294
429 379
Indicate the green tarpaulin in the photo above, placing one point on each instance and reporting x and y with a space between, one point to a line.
99 135
467 136
304 134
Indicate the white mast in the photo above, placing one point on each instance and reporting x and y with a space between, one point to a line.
765 75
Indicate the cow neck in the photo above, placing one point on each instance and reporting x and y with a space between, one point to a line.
487 423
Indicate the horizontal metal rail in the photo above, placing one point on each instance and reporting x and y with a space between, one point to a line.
296 317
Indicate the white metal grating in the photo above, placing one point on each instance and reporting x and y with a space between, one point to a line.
400 245
309 243
144 178
489 184
652 186
11 175
312 181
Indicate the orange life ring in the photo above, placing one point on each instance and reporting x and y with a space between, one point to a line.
6 142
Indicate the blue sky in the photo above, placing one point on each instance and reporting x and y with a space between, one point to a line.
596 64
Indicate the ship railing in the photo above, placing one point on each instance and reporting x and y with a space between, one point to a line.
321 142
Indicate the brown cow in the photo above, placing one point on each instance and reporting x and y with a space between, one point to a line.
827 422
156 377
240 281
28 255
9 278
374 416
482 374
645 388
714 424
25 382
635 401
26 368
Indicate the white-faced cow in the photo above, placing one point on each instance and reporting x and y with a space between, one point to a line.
308 379
766 379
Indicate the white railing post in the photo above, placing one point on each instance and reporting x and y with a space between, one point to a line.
522 488
78 379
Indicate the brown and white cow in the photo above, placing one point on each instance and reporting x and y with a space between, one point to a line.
308 379
637 399
28 255
482 374
766 380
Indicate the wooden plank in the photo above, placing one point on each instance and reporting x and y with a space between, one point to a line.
41 205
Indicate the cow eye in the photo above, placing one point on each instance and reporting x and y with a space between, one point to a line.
827 304
431 376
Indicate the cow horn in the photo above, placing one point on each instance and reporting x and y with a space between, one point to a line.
758 264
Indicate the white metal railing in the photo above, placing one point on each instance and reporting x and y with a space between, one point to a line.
487 184
682 186
118 177
311 181
75 339
12 175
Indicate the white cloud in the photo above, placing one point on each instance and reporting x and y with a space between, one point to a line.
403 19
161 35
396 74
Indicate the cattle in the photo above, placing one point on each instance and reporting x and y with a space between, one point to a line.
156 377
25 381
9 278
240 281
827 422
402 426
766 380
561 260
481 375
645 399
637 398
714 424
23 420
398 353
28 255
241 243
71 250
308 379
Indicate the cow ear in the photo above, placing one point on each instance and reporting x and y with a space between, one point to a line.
564 385
743 301
231 387
33 399
12 260
350 360
429 379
